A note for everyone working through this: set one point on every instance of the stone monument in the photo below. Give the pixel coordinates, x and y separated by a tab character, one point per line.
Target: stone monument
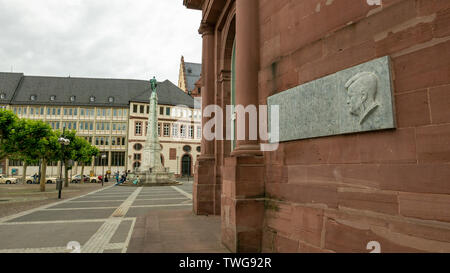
152	172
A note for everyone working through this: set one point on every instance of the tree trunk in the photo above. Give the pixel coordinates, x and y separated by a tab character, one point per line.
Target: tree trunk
82	173
43	174
66	175
24	175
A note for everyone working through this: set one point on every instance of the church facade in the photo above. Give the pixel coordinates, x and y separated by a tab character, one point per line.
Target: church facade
335	192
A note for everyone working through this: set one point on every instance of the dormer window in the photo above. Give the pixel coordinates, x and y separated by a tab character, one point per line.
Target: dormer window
189	70
33	97
111	99
2	96
52	98
92	99
72	98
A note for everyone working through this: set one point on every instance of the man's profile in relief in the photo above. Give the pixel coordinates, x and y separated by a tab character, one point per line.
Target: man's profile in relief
362	92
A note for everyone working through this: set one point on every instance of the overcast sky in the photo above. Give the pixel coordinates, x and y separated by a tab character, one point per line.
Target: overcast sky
127	39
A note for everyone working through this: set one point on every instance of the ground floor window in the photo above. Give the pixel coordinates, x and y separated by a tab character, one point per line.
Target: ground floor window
118	159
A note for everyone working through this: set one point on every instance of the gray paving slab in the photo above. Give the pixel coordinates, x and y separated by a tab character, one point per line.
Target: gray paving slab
135	212
45	235
103	198
159	202
141	197
122	232
59	215
87	205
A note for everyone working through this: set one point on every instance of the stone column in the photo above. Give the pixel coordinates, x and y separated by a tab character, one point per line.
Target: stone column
243	172
247	67
204	184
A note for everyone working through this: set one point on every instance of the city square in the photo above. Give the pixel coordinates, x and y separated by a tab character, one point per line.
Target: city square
225	127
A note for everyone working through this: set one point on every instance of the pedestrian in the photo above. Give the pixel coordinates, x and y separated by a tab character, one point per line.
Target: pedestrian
117	177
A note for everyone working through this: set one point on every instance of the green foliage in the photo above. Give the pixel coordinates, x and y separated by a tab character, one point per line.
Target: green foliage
8	122
32	140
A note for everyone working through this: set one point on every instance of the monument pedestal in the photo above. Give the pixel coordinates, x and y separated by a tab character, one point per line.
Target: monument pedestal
157	177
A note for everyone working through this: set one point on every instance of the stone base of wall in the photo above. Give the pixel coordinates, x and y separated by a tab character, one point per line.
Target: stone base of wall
204	187
243	203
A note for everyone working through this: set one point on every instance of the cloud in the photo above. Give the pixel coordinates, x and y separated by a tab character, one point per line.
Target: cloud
132	39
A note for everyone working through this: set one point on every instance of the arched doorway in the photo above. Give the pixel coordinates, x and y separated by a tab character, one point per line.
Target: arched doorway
186	165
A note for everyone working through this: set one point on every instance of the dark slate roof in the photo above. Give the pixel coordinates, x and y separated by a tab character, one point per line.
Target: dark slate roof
8	85
193	73
168	94
123	91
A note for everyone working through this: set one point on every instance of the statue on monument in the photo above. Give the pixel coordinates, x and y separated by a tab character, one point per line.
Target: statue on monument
152	170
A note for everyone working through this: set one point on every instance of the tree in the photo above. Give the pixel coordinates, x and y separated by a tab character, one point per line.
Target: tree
8	123
34	140
84	153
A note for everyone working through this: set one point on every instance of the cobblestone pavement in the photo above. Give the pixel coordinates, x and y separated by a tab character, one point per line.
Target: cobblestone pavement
99	222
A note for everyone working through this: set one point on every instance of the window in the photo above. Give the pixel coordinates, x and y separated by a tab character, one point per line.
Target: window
73	98
167	130
136	165
199	149
168	111
142	109
52	98
82	112
111	99
191	131
159	129
2	96
115	112
31	111
175	130
138	147
92	99
33	97
138	129
135	108
58	111
187	149
100	161
118	159
148	109
137	156
161	111
183	130
199	132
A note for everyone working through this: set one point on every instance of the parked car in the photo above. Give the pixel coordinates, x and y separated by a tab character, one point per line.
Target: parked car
49	180
8	180
77	179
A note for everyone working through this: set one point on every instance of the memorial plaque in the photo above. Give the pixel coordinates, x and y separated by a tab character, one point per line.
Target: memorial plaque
358	99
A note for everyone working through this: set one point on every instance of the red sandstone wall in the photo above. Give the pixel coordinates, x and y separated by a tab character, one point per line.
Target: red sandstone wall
338	193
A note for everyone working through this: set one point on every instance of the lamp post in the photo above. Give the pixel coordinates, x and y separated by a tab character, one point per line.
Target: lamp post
64	142
103	168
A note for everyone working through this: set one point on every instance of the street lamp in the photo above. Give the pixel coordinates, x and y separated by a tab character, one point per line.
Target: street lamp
64	142
103	170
